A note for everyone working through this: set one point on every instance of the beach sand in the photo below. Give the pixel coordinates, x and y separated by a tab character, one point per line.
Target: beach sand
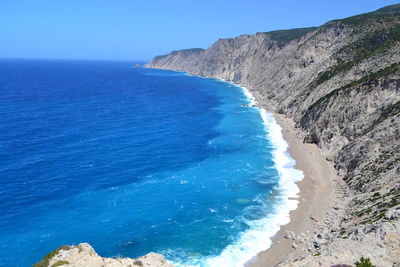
317	192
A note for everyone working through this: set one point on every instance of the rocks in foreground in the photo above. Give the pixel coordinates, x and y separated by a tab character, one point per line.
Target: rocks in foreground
379	242
84	255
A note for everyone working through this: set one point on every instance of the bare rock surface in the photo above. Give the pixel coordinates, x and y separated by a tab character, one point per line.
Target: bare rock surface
378	242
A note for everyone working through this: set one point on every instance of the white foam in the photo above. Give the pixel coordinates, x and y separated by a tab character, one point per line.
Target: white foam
249	95
258	237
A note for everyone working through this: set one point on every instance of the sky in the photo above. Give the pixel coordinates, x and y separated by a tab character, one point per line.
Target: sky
140	29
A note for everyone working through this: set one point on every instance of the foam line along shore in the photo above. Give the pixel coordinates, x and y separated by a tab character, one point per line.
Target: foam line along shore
307	183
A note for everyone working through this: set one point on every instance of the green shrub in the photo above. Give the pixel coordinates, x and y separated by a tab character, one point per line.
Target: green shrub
373	44
46	259
59	263
290	35
364	262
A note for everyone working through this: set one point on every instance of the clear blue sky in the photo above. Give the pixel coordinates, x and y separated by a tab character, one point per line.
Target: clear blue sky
140	29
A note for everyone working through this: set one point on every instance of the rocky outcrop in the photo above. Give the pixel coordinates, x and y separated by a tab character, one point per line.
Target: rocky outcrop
378	242
340	83
84	255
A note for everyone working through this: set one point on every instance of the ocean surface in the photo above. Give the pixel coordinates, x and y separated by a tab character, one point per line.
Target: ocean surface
136	160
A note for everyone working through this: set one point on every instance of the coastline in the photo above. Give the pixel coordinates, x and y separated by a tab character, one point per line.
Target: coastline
308	192
316	188
350	203
315	199
259	237
317	193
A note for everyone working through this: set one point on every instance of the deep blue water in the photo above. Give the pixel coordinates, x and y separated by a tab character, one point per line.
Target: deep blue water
129	160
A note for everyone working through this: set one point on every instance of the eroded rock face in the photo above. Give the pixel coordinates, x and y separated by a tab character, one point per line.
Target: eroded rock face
84	255
378	242
340	83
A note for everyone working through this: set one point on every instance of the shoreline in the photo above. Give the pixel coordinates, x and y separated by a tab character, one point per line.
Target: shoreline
287	199
317	193
317	188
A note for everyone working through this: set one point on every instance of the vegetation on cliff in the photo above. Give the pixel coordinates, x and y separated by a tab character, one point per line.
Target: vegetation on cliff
381	15
290	35
374	41
45	262
365	81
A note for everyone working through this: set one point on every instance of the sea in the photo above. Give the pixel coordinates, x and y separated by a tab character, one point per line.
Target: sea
135	160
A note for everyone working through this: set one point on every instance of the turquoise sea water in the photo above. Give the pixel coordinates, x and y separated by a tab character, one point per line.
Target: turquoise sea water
136	160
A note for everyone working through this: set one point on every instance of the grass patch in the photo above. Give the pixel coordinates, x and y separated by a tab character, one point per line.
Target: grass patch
386	113
46	259
368	79
59	263
187	51
290	35
159	57
373	44
364	262
366	18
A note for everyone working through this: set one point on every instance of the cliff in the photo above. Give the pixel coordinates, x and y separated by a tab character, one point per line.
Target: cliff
340	83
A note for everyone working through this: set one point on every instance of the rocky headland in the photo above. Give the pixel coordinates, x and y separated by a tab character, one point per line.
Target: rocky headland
340	86
83	255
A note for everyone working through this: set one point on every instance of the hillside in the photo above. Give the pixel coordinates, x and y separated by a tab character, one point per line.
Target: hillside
340	83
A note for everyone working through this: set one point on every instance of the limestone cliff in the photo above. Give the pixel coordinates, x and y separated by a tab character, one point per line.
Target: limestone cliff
340	83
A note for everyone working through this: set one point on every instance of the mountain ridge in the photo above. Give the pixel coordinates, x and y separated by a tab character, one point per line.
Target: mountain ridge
340	83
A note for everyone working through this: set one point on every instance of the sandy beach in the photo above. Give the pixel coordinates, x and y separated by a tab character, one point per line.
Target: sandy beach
317	192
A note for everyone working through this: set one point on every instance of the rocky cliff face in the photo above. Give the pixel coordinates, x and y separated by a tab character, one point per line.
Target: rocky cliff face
340	83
